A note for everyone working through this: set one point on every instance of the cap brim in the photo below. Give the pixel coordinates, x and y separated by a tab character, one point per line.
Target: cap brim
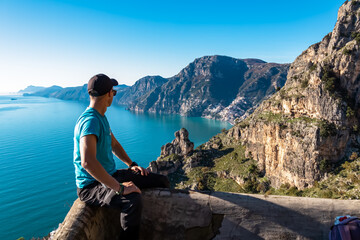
114	82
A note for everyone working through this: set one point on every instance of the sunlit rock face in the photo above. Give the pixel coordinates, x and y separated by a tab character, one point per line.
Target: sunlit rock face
218	87
312	122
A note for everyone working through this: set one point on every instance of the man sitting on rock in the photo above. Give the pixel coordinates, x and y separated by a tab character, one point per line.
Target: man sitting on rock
98	181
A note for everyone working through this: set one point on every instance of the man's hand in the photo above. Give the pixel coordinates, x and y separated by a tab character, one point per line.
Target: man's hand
144	172
130	187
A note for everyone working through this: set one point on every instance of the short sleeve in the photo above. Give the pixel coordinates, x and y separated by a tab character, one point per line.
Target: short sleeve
89	127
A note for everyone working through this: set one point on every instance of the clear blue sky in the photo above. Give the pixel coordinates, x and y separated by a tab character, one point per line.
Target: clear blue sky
64	43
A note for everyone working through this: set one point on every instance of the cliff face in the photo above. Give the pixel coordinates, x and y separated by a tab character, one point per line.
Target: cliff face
312	122
215	87
141	87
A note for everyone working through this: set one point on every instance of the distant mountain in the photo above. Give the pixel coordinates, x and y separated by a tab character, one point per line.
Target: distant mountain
72	93
69	93
31	89
46	92
139	89
215	87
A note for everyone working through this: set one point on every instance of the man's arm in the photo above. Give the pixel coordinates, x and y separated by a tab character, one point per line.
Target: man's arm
95	169
119	152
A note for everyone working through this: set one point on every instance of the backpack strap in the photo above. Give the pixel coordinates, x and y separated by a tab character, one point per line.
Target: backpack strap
344	232
344	228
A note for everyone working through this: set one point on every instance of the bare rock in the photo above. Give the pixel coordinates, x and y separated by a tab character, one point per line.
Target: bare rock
313	119
181	145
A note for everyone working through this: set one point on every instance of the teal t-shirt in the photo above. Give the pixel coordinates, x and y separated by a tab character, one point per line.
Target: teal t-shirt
92	122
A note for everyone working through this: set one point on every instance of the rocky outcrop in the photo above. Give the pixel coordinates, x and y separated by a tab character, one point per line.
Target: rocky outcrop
181	145
312	122
173	154
178	214
215	87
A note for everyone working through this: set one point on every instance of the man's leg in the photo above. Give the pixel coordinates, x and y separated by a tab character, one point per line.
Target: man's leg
152	180
130	205
130	218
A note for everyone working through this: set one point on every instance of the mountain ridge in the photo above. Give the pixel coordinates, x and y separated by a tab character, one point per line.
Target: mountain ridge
210	87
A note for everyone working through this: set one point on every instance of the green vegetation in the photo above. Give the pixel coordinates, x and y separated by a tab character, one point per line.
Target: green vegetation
282	94
305	83
349	112
356	36
325	165
172	157
329	79
244	124
285	189
312	67
343	182
271	117
221	176
226	185
296	133
355	128
326	128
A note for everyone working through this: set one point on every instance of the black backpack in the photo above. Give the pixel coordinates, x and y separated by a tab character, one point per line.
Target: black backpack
348	229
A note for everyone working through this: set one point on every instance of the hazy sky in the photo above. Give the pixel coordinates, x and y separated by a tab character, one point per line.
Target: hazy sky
64	43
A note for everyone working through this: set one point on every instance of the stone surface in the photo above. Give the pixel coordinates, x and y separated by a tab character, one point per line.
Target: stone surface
175	214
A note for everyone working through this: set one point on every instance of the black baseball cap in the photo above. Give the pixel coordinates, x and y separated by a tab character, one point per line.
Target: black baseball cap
100	84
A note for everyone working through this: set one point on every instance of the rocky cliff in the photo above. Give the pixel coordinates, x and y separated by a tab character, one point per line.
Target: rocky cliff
141	88
312	122
215	87
305	133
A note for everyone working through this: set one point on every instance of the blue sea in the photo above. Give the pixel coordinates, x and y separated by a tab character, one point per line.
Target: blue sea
36	147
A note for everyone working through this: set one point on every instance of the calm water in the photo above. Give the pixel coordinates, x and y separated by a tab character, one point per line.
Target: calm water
36	144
